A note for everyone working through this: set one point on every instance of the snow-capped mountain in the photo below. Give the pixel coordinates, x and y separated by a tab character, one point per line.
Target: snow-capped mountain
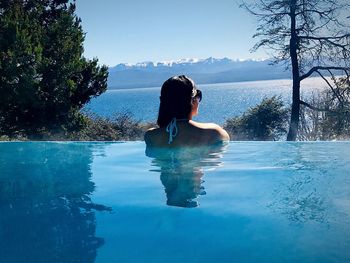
203	71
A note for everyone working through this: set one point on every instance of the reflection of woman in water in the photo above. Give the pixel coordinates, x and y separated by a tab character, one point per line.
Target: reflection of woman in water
182	185
182	170
179	102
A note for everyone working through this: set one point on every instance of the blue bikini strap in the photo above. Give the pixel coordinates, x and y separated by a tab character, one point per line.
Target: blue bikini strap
172	130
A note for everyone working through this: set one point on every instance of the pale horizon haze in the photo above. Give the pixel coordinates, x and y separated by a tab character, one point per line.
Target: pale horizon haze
162	30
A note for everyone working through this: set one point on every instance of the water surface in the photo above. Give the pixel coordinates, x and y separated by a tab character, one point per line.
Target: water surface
109	202
228	99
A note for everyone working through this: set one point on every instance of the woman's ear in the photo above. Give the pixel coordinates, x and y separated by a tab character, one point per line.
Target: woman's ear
195	104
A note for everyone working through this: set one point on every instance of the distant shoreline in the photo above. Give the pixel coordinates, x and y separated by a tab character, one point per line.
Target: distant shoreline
199	84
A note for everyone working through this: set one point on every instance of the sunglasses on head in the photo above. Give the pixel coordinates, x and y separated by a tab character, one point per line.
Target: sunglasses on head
198	95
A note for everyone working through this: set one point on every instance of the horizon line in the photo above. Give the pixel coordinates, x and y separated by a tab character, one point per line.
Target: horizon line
184	60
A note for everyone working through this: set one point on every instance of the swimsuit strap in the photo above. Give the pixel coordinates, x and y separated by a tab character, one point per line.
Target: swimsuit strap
172	129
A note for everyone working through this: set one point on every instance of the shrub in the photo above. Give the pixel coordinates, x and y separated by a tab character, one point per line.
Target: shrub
265	121
96	128
332	119
120	127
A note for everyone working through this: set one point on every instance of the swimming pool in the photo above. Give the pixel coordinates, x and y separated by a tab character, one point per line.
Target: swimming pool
109	202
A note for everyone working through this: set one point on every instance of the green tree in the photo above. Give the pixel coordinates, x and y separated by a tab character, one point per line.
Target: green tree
263	122
309	36
44	78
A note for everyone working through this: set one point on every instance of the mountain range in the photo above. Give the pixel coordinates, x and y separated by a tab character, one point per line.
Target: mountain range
202	71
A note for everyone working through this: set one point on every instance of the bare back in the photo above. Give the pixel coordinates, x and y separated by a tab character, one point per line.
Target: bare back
190	133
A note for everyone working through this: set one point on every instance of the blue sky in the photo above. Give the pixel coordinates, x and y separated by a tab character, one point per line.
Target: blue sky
130	31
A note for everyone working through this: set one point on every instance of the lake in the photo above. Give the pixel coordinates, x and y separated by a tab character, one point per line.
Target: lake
220	101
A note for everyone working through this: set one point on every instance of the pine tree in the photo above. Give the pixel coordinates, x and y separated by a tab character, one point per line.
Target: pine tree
44	78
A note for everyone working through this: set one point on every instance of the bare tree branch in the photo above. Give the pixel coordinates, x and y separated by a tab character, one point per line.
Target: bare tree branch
313	107
314	69
309	37
331	87
326	38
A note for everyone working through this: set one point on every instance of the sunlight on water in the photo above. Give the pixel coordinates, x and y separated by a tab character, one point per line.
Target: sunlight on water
228	99
116	202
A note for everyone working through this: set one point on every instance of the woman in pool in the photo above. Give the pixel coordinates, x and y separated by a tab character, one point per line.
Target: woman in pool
179	102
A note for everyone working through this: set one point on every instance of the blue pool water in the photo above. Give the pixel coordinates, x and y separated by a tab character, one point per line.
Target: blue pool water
112	202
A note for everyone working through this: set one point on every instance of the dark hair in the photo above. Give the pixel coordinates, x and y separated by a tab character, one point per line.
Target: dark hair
175	99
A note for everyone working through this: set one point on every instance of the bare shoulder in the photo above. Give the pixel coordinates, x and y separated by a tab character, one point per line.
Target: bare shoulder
149	133
219	133
213	130
152	136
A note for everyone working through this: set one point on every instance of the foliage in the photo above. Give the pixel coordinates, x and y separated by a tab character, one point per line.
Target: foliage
121	126
44	79
329	118
265	121
308	36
